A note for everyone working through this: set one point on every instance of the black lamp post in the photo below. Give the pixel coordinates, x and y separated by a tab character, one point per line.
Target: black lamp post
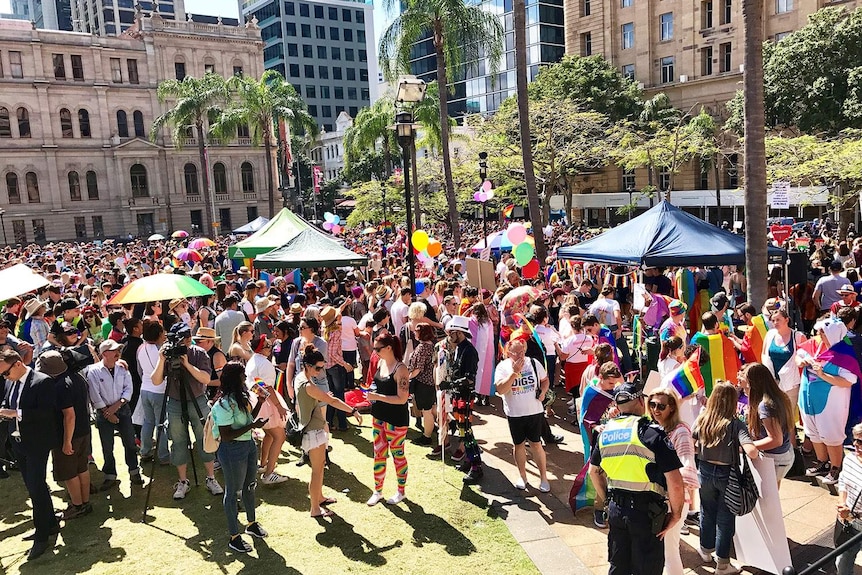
483	175
3	222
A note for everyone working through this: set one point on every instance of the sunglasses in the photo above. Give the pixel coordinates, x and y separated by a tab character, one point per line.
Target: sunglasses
657	406
4	373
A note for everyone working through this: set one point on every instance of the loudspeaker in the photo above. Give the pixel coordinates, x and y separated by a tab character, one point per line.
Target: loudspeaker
798	269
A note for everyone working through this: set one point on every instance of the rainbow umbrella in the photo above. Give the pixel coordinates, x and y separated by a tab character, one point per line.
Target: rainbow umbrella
180	234
188	255
201	243
160	287
519	299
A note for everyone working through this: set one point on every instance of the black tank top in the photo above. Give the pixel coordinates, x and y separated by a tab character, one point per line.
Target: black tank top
397	415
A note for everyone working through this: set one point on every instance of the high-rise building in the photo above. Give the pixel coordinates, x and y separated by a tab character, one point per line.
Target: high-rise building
47	14
476	90
325	48
112	17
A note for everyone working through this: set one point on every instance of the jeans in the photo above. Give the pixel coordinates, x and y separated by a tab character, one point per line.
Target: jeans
844	563
238	461
152	405
179	430
127	436
717	523
337	382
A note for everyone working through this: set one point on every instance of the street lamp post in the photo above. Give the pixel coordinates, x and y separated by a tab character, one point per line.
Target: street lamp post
410	91
483	175
3	222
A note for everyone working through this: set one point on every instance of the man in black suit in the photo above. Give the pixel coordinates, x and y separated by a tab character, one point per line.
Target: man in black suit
30	405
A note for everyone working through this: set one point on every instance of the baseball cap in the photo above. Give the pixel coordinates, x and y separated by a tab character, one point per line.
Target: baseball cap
109	345
51	363
719	300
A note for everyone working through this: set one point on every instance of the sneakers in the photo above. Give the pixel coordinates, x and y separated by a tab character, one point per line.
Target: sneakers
544	487
273	479
521	484
426	441
600	519
705	554
819	468
181	488
375	498
213	486
238	544
71	512
458	455
726	569
683	530
832	477
216	465
136	479
396	499
256	530
473	476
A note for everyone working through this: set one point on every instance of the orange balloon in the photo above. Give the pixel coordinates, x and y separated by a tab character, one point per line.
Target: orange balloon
435	248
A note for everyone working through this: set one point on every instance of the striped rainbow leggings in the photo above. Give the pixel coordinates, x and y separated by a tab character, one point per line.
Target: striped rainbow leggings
389	437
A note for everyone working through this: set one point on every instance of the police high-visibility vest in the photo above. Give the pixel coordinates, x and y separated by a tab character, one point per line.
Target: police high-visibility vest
624	457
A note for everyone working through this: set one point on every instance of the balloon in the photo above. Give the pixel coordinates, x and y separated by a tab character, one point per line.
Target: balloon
336	219
420	287
516	233
435	248
420	240
476	196
489	194
548	230
327	225
531	270
487	186
336	229
523	253
329	217
429	265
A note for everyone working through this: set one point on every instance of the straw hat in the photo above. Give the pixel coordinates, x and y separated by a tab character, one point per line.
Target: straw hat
328	315
33	305
205	333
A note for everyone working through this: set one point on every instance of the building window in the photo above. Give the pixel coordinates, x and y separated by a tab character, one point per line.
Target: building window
349	54
732	173
15	65
12	188
132	67
224	218
336	53
628	71
290	28
363	74
210	68
320	32
366	94
290	8
303	10
326	111
706	61
360	17
5	123
351	93
332	13
318	12
334	33
92	186
59	66
190	175
293	50
360	36
197	219
703	175
363	55
138	178
323	71
138	120
664	179
585	7
246	177
305	30
309	71
666	26
98	227
293	69
667	75
242	131
336	73
348	35
19	231
628	35
629	182
116	71
32	182
23	123
219	178
66	123
706	14
74	187
724	52
321	52
237	71
586	44
77	68
84	123
626	3
346	16
180	70
351	74
782	6
308	51
781	35
310	91
339	93
122	124
251	211
38	230
726	11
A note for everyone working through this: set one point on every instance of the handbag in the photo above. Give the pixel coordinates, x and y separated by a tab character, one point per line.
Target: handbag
294	429
843	531
741	493
211	442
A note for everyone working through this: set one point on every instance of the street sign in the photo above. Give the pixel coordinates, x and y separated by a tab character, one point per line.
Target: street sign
780	196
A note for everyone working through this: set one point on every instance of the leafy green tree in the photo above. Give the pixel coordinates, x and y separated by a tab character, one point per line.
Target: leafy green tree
376	201
367	166
192	102
461	33
372	127
259	104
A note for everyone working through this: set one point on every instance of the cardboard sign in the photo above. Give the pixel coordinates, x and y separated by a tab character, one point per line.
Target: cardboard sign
480	274
781	233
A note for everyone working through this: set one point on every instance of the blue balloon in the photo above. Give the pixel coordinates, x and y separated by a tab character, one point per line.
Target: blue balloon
420	287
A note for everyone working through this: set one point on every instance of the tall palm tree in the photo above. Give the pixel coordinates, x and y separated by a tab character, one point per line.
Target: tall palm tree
520	24
194	101
755	153
259	104
372	125
461	33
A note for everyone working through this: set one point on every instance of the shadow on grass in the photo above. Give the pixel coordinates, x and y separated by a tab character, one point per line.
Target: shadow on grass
81	550
429	528
340	534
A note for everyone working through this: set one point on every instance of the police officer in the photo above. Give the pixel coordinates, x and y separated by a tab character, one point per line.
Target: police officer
636	468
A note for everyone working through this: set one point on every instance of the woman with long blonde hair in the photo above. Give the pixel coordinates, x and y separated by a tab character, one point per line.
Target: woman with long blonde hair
240	347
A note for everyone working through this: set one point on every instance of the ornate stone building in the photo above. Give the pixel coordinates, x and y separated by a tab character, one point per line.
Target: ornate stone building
75	117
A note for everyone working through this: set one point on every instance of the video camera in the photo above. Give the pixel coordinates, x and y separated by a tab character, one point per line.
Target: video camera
175	346
462	386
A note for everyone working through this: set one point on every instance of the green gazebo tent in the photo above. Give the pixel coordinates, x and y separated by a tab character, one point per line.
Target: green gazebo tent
310	249
278	231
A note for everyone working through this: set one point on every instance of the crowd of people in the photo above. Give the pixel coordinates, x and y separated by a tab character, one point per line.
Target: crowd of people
263	358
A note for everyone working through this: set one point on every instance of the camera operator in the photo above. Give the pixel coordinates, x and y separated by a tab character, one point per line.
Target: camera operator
186	365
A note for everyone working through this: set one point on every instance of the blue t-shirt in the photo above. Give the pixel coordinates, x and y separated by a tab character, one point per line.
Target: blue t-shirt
765	411
780	354
226	412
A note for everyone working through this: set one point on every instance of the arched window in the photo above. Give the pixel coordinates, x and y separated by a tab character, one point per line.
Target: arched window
190	174
23	123
5	125
219	178
84	123
92	186
74	186
138	176
32	181
138	119
12	188
247	175
66	123
122	124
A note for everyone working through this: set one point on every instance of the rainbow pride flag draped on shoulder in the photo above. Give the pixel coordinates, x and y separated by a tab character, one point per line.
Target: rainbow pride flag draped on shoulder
723	361
593	406
842	355
752	342
607	336
687	379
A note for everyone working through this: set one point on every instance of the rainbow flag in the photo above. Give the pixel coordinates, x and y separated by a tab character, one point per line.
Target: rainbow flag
685	289
698	307
637	335
723	361
688	378
280	382
507	211
752	342
593	407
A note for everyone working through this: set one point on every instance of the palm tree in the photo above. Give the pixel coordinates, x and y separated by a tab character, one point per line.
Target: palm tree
461	33
258	104
372	125
520	24
194	101
755	153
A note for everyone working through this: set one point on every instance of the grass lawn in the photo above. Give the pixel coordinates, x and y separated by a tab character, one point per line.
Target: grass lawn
442	527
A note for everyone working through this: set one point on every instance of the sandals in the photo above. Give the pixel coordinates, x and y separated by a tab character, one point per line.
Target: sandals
329	501
324	513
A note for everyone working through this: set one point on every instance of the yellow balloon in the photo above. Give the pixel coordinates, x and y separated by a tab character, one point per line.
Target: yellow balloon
420	240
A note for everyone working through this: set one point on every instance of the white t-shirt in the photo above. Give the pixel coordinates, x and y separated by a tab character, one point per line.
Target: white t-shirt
398	313
348	335
548	335
576	346
148	357
604	310
521	399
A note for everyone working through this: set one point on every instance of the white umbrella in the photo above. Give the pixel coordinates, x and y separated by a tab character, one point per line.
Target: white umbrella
155	238
19	279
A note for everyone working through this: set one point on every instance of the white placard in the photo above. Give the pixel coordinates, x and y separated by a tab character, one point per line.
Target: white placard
737	225
638	299
780	196
653	380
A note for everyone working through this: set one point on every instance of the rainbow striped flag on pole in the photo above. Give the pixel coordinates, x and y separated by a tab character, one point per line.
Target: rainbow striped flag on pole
687	379
507	211
723	361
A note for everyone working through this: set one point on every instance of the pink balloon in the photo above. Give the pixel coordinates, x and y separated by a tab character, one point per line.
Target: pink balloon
476	196
336	229
487	185
516	233
327	226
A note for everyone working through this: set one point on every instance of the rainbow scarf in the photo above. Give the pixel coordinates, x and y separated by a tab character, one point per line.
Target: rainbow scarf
688	378
593	406
752	343
723	361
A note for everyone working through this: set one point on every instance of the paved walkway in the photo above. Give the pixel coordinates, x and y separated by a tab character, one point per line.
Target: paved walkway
559	542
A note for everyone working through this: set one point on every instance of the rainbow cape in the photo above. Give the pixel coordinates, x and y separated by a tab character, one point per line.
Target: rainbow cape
723	361
607	336
752	342
687	379
593	406
698	307
841	355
